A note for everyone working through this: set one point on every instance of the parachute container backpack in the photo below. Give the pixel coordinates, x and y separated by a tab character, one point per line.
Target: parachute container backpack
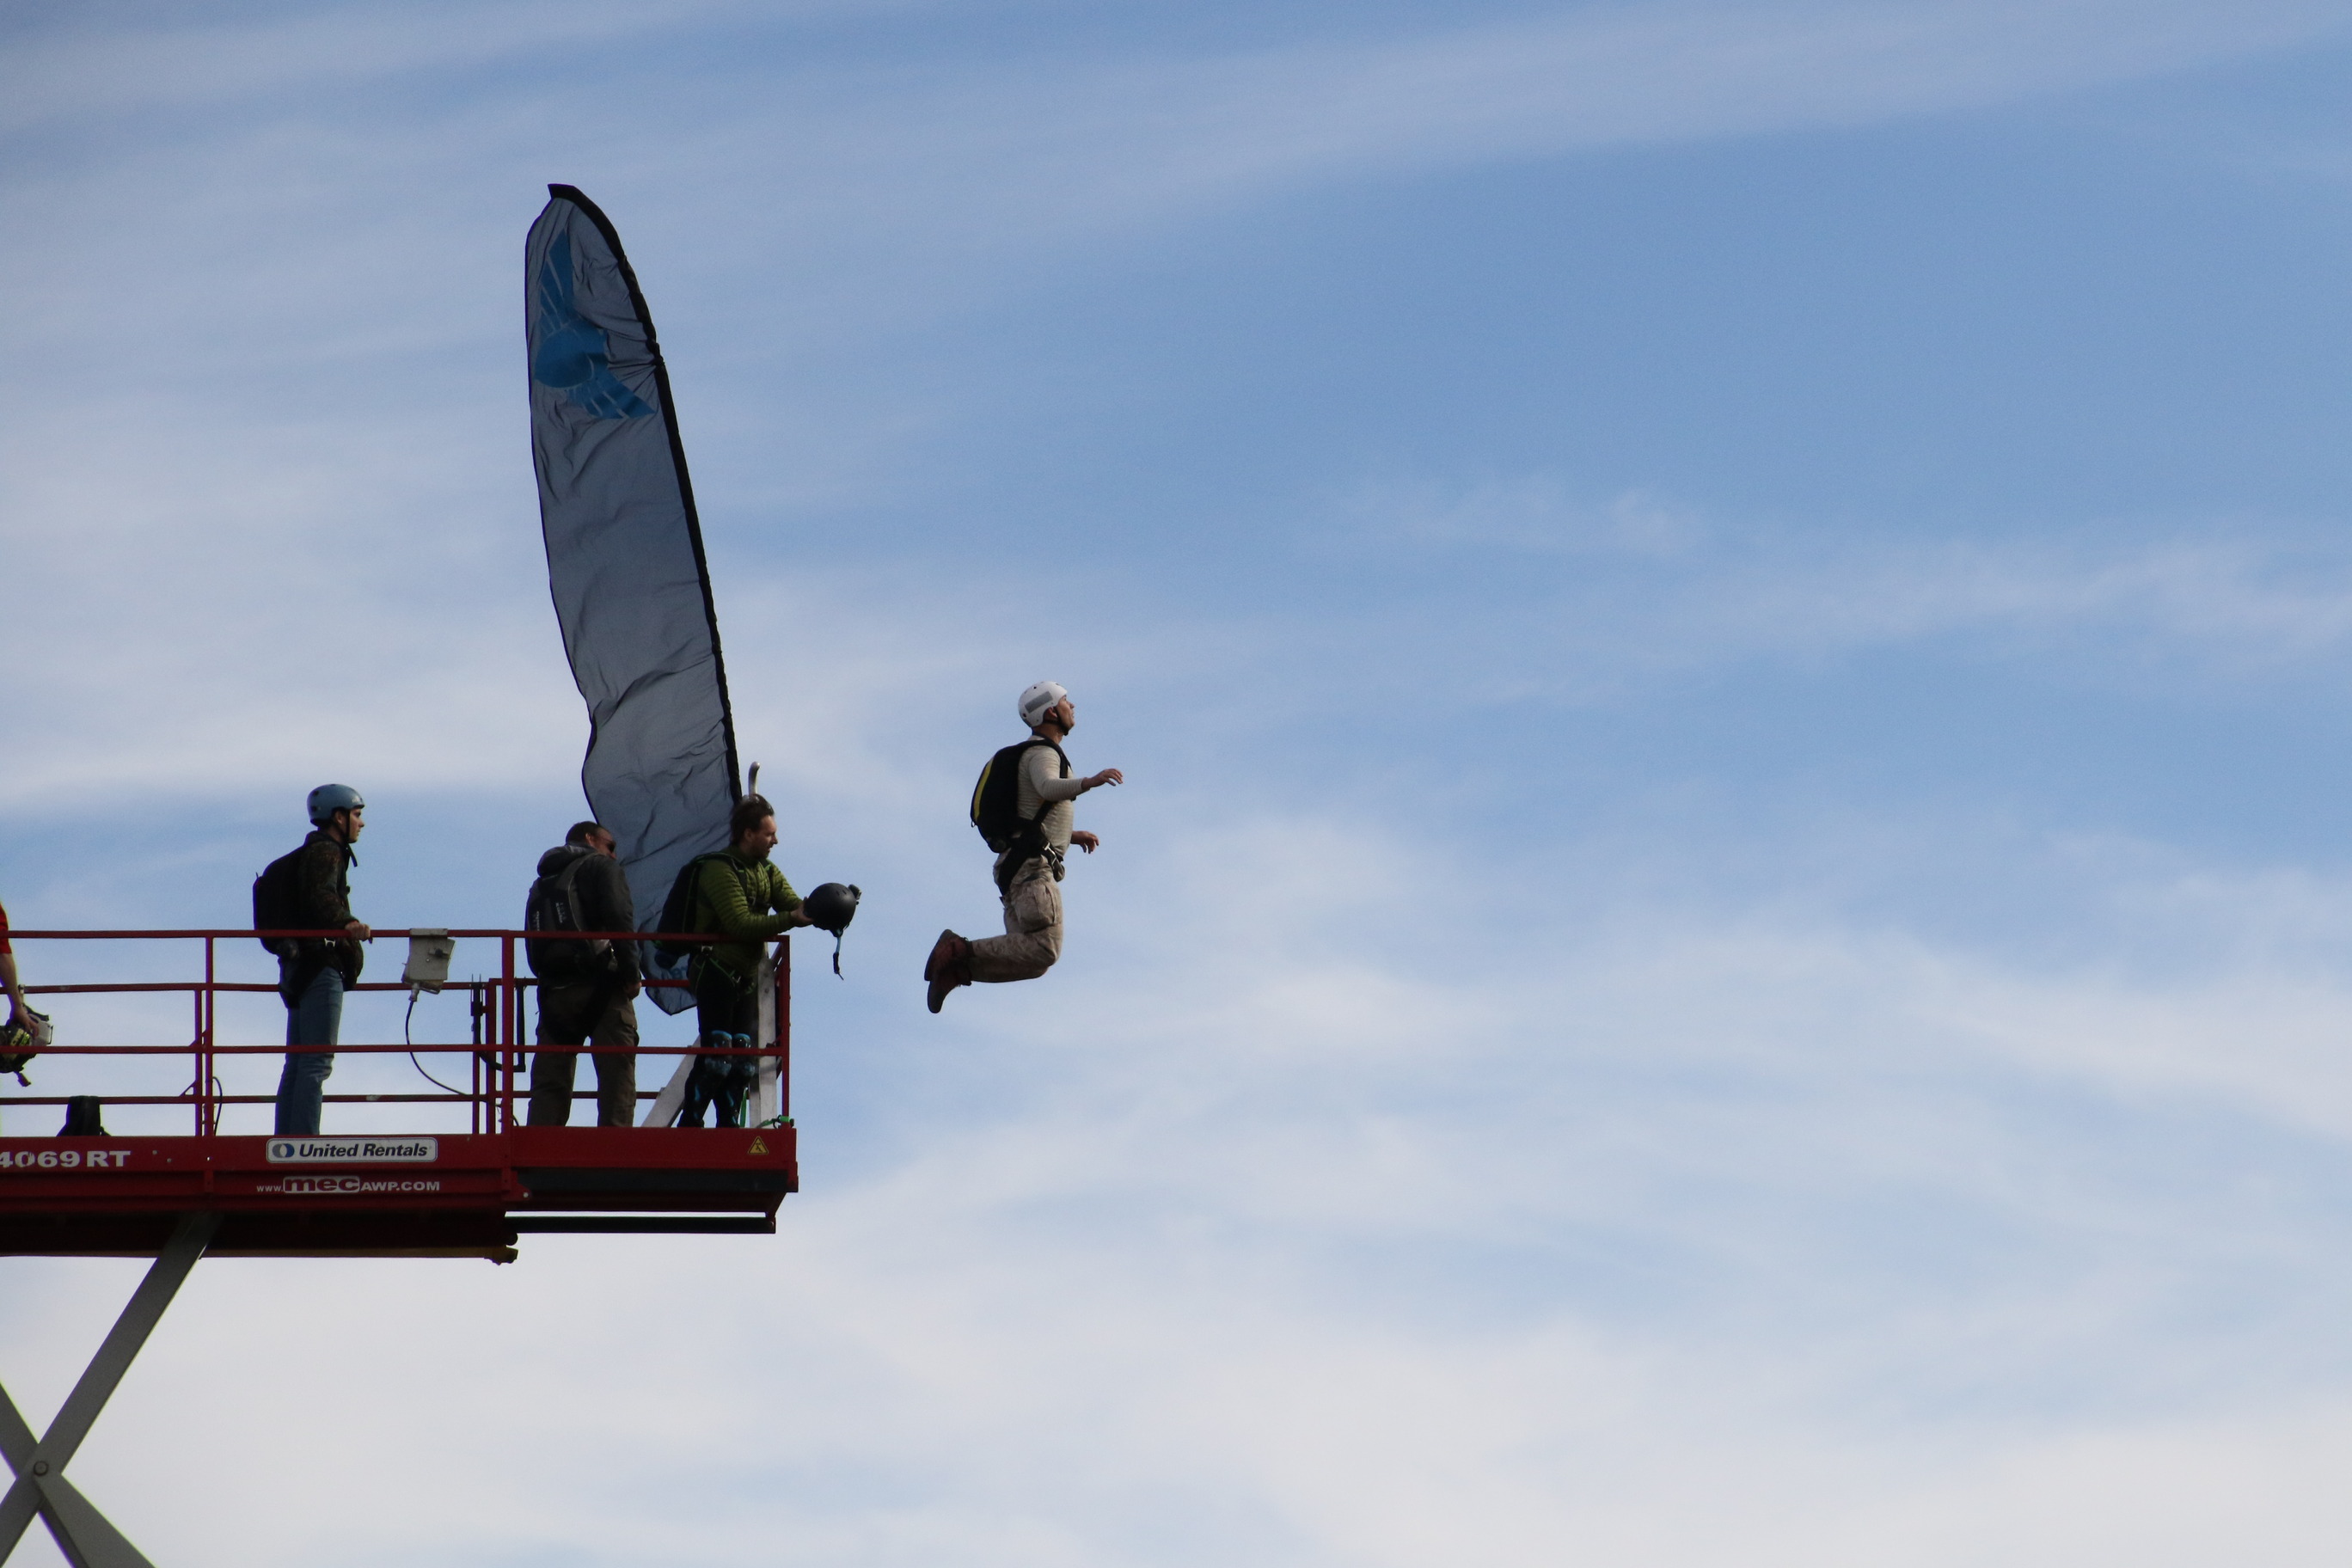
276	903
677	910
553	904
996	804
997	798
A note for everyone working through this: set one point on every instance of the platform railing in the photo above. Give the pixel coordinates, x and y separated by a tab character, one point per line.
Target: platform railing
498	1006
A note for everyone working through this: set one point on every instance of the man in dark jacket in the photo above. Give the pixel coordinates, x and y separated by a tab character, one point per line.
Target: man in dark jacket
586	989
314	972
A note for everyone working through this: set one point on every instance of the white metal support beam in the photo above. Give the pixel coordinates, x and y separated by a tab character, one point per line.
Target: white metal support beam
82	1533
762	1109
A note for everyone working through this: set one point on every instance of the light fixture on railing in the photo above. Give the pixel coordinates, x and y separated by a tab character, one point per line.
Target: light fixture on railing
429	952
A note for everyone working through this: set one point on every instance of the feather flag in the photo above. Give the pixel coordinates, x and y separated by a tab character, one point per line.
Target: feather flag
624	558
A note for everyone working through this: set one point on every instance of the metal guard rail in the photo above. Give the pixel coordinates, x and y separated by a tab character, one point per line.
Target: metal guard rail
496	1052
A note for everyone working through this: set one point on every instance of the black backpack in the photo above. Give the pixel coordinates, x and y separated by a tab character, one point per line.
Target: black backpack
677	910
996	800
554	905
276	903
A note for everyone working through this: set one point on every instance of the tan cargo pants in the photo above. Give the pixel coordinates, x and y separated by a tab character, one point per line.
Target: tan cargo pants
1032	929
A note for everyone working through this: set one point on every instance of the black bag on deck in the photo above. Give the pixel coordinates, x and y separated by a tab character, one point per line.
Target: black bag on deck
81	1118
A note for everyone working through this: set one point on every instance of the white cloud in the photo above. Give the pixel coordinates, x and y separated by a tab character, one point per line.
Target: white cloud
1600	78
182	60
883	193
222	608
1604	600
1028	155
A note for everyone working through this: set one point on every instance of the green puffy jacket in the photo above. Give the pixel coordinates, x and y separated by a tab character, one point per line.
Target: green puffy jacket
733	897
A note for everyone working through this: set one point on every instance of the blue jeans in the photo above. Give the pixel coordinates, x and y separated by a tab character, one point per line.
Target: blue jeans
314	1019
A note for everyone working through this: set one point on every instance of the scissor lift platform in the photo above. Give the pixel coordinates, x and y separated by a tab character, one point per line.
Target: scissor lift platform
458	1193
388	1194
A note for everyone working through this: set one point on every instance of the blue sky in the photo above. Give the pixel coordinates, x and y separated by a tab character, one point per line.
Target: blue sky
1727	941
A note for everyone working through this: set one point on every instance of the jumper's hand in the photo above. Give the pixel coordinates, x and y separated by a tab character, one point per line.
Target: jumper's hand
1085	841
1107	776
358	932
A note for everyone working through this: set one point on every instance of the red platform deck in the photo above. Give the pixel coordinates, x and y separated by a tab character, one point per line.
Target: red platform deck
389	1195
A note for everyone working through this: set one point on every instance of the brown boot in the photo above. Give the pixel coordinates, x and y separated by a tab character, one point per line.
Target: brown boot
948	966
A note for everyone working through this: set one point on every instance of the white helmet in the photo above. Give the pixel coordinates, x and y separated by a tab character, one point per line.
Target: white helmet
1040	699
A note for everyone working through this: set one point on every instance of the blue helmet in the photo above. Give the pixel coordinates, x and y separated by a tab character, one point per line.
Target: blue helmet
329	799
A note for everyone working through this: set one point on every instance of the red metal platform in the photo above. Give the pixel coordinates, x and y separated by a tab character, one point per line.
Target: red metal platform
388	1194
468	1191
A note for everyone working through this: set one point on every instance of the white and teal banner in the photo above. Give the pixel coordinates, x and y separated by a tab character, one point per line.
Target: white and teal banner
625	557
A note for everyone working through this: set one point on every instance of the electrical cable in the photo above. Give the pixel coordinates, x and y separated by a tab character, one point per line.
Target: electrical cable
413	992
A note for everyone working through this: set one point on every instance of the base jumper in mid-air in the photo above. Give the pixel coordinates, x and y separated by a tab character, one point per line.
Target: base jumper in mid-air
1023	809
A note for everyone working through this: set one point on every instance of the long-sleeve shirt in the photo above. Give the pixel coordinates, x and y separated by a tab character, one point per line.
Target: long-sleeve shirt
1042	781
732	898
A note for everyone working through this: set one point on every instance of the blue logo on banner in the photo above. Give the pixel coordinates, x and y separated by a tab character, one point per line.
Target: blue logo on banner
574	356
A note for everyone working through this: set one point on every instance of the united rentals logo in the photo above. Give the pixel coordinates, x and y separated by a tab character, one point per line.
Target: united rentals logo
353	1151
